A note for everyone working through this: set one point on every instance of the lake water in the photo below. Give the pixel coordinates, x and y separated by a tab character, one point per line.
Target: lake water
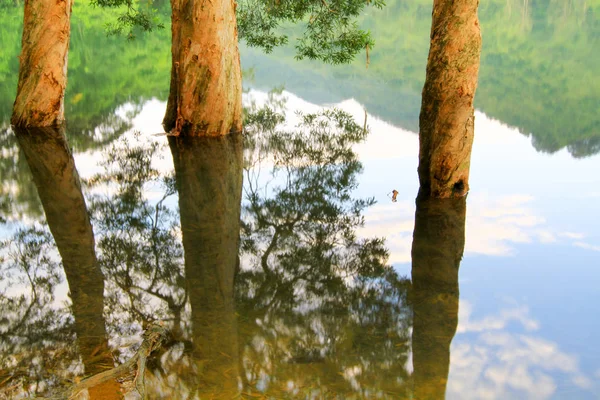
327	288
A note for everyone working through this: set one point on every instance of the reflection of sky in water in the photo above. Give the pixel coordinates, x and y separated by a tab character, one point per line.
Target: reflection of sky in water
527	309
529	277
528	297
503	355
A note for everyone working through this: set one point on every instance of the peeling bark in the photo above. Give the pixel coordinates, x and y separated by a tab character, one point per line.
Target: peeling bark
205	98
437	249
447	115
43	64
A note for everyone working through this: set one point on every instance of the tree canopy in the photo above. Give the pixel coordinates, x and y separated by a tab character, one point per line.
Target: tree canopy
330	29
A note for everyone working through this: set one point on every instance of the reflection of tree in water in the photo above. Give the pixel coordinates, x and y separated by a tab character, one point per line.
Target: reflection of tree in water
316	305
18	194
141	254
96	133
16	185
321	313
35	275
36	339
138	245
139	251
208	173
315	310
438	244
585	148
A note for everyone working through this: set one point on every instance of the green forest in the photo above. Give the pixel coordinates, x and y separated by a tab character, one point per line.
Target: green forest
537	69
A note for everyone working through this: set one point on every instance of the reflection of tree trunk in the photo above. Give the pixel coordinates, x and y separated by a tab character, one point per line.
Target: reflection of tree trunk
438	244
206	81
446	121
209	181
43	64
57	181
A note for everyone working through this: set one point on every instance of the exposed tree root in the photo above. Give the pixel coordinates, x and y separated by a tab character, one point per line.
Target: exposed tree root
154	337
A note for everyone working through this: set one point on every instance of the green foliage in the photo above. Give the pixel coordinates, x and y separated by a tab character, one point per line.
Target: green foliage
10	36
321	44
6	4
104	74
331	32
537	69
132	17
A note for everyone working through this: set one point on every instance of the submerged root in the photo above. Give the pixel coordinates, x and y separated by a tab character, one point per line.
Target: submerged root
154	337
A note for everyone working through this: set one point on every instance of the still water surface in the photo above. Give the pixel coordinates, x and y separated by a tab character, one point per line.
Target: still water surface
308	309
279	262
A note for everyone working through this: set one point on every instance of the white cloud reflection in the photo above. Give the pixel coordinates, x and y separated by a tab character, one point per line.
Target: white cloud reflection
494	223
494	226
587	246
497	364
508	192
493	322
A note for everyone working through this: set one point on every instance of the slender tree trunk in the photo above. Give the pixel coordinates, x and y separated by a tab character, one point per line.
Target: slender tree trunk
43	64
54	173
206	82
208	174
447	120
438	244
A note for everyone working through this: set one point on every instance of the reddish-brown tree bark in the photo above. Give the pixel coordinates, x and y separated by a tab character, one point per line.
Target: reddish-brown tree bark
206	82
43	64
447	120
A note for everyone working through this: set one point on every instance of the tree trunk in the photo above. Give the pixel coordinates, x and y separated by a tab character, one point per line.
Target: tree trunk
446	121
54	173
43	64
208	173
206	82
438	244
